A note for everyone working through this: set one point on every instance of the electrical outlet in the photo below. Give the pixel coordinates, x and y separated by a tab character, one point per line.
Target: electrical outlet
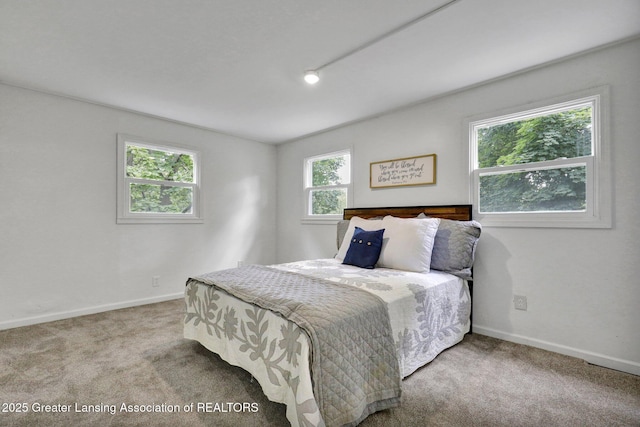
155	281
520	302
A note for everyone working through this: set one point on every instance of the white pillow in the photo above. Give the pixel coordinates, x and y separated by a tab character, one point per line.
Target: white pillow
356	221
408	243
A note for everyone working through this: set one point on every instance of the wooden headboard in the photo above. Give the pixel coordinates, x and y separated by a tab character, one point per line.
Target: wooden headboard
457	212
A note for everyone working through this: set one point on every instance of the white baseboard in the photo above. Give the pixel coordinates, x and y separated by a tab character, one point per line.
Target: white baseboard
593	358
9	324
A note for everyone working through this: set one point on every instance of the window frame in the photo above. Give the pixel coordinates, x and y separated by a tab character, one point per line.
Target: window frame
124	215
310	218
598	175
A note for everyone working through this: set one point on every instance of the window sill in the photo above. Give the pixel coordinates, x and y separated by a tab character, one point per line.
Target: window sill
321	221
159	221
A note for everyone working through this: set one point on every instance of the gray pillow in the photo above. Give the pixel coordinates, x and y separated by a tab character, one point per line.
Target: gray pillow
343	225
455	246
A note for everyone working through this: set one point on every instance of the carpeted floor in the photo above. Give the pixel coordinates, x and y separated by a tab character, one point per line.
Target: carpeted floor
93	365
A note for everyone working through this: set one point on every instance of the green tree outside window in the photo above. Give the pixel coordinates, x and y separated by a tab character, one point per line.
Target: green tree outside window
329	178
167	169
560	135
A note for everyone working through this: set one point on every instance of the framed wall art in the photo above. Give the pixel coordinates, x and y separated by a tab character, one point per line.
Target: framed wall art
419	170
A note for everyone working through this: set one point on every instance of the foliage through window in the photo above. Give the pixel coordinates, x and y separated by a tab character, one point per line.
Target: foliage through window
538	162
158	183
327	184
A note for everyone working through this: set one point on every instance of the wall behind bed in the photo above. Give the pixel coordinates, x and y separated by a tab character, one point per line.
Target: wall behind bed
61	252
582	284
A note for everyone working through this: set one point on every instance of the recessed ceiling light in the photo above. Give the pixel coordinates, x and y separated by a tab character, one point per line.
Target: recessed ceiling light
311	77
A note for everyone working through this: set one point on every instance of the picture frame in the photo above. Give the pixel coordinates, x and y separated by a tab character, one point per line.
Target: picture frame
403	172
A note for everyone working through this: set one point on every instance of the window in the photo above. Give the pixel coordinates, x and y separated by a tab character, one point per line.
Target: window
157	183
543	167
327	183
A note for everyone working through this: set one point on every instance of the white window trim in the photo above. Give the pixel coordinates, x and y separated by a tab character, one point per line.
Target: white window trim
123	214
599	188
307	179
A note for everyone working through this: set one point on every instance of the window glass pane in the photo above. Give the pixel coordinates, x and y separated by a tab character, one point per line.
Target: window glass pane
328	202
561	134
562	189
160	199
331	171
160	165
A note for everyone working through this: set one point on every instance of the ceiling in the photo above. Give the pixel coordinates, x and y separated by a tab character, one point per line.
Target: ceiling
235	66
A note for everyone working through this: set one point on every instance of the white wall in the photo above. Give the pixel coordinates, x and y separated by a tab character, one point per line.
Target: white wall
582	284
61	252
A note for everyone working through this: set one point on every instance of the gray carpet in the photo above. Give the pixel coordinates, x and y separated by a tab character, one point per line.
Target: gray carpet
137	356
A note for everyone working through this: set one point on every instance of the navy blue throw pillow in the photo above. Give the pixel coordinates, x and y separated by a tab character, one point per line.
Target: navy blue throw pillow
365	248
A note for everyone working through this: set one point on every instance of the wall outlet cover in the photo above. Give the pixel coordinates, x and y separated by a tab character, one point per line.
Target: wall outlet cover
520	302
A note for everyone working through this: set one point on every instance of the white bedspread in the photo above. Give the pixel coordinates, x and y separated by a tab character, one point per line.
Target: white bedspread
428	313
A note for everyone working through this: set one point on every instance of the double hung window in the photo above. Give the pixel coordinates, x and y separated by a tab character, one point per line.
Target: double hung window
158	183
327	185
545	166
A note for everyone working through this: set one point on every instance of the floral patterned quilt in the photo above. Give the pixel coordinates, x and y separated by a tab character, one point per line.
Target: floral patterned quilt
428	313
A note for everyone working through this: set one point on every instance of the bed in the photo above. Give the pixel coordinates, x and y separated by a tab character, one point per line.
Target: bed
333	338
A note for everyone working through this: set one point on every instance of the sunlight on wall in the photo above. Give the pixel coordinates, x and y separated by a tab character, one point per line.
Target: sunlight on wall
236	239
